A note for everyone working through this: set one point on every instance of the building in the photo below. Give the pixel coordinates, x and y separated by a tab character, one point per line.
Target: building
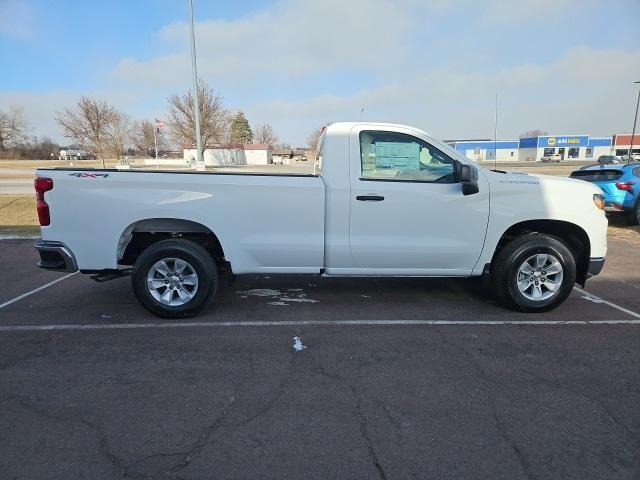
74	153
622	143
231	154
485	150
569	147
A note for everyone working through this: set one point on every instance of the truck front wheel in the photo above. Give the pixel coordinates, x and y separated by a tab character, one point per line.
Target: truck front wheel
174	278
534	273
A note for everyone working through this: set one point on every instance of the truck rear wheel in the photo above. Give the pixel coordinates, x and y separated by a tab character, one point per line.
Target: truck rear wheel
534	273
174	278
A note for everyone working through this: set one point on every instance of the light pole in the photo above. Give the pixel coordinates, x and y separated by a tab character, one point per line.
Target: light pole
635	119
361	112
196	99
495	138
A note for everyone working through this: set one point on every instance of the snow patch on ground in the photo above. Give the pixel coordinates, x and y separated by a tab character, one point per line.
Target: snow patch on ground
278	297
298	300
262	292
297	344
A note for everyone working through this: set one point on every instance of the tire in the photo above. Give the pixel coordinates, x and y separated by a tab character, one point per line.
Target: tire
185	293
526	259
633	217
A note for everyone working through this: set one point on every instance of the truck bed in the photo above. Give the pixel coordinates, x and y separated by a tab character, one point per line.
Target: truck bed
267	223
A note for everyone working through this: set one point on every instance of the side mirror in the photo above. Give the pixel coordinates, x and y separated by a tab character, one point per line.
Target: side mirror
468	177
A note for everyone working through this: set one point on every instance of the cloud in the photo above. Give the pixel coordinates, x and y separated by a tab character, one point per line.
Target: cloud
295	39
16	19
576	93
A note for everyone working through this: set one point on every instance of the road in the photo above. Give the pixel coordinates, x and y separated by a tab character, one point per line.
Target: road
16	187
95	387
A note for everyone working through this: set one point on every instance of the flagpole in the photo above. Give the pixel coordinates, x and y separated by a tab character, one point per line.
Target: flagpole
196	99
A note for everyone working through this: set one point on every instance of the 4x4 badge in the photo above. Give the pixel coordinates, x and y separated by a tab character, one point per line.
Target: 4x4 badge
88	175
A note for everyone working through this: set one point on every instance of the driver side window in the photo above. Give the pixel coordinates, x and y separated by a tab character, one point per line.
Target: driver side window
392	156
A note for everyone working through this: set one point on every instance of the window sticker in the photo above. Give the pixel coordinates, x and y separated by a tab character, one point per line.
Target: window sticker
397	155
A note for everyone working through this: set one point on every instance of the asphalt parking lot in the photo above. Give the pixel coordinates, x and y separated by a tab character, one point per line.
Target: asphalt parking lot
391	378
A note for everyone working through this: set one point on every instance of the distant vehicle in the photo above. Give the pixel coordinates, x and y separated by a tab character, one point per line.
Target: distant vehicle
75	154
635	157
384	200
620	185
555	158
608	160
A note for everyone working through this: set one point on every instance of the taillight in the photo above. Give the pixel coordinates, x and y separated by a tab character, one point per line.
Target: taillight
626	186
42	185
598	199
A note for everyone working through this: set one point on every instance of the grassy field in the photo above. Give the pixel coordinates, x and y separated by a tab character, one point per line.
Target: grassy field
18	215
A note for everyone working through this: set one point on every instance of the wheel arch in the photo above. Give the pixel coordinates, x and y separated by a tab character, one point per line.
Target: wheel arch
572	235
140	234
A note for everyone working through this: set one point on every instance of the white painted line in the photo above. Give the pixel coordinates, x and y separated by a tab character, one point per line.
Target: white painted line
593	298
298	323
35	290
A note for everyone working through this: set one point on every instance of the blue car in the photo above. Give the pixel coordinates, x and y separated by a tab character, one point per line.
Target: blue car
620	185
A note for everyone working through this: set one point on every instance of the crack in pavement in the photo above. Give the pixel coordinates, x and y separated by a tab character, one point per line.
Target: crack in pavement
635	436
127	470
364	429
100	435
471	360
218	423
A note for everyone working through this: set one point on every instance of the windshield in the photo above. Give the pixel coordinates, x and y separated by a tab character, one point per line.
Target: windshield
597	175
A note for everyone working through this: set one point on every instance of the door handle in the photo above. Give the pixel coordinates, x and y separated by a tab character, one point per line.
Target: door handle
370	198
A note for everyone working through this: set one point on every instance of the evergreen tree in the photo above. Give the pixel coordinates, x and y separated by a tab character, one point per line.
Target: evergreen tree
240	129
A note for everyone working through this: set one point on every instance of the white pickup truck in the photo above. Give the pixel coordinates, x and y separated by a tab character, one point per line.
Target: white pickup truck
384	200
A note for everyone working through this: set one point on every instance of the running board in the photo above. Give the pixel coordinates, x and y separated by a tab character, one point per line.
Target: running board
111	274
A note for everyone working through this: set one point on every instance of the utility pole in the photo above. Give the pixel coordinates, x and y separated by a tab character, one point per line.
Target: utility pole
495	138
635	119
196	99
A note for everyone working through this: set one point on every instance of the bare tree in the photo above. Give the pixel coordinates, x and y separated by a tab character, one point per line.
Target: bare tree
120	134
312	140
90	123
533	133
264	134
13	128
214	118
144	140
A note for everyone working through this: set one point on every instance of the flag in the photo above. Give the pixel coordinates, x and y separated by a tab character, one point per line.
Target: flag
160	124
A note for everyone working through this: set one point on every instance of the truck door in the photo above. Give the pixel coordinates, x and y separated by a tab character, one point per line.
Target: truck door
408	212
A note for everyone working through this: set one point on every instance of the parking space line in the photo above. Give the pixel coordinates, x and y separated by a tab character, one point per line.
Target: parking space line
595	298
299	323
36	290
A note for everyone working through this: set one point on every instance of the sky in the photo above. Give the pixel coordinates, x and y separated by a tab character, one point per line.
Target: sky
564	66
